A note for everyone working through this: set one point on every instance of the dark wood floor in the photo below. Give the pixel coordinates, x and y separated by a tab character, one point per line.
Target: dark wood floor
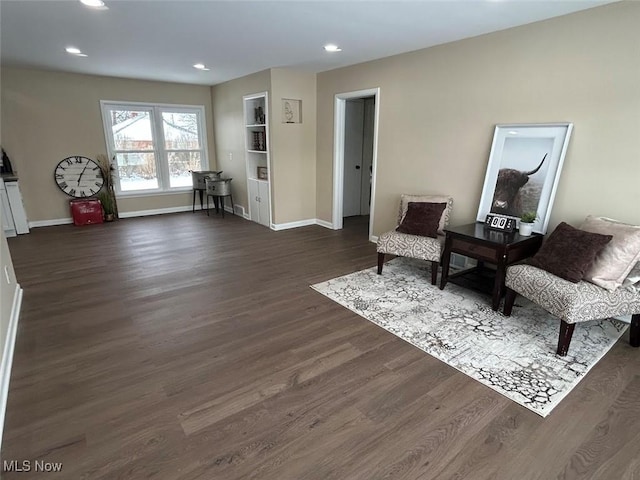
186	347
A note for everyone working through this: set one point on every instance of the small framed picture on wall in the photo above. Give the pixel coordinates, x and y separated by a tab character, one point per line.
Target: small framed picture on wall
291	110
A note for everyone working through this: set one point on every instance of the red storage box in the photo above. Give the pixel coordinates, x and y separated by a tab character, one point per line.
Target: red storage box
86	211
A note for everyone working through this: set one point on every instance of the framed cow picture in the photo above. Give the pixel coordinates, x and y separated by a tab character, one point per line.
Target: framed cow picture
524	170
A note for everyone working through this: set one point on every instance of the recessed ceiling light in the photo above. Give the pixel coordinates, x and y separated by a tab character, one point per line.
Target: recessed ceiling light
99	4
332	48
75	51
201	66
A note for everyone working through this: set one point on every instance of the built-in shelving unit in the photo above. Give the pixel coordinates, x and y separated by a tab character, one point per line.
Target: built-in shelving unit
256	120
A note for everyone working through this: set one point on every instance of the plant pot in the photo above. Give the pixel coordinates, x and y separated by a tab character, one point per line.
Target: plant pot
109	217
526	229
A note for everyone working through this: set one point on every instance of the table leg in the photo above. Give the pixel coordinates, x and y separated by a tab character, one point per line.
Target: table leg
498	286
201	192
446	259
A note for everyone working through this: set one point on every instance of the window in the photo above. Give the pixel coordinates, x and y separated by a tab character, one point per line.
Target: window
155	146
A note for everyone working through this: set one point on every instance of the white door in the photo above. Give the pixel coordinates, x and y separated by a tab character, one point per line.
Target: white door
352	186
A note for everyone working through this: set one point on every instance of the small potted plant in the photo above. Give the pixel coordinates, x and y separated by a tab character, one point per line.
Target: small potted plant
527	219
107	205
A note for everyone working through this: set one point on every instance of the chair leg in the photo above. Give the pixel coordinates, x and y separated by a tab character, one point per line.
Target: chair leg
380	262
564	339
207	205
221	200
509	299
634	331
434	272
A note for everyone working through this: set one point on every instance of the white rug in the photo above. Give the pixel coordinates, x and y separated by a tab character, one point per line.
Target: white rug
513	355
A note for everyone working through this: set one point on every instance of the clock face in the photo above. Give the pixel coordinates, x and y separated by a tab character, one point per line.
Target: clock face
79	177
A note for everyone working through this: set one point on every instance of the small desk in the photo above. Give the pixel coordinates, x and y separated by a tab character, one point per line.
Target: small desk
477	241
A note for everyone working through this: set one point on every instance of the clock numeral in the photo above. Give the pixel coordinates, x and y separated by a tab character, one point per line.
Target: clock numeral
68	162
59	176
95	168
82	193
72	191
78	159
98	184
63	185
92	192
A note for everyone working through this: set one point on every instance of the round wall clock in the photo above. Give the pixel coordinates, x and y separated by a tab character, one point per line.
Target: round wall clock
79	176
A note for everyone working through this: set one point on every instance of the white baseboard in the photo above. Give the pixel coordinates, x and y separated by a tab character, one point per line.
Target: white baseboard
299	223
373	238
50	223
156	211
324	224
7	355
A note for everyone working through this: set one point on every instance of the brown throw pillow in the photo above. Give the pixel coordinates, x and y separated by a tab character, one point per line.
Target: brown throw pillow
569	252
422	219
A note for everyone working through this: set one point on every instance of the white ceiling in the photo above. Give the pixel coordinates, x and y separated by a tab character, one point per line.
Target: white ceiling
162	39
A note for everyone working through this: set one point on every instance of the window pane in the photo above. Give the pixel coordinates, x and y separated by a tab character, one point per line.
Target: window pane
131	130
137	171
180	131
179	165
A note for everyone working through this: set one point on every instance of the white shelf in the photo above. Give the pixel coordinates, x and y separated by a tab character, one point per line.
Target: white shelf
256	125
257	151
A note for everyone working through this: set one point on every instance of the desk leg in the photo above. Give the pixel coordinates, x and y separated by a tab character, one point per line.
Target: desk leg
498	286
446	259
201	192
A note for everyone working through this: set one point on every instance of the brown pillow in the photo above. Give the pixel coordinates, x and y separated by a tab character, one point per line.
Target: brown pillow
422	218
569	252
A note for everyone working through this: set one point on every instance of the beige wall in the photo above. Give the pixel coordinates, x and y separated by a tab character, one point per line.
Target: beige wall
439	107
47	116
228	126
293	148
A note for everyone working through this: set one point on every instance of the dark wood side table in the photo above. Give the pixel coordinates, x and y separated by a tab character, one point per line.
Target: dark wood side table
500	248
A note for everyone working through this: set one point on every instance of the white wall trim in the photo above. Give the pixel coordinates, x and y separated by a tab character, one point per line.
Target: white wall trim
155	211
338	152
296	224
324	223
7	355
373	238
50	223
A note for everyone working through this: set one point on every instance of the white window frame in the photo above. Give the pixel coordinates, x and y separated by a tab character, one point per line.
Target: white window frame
159	150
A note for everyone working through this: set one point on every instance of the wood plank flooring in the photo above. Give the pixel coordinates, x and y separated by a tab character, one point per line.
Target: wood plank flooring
191	347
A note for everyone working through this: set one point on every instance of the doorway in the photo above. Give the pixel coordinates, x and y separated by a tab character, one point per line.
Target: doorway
355	152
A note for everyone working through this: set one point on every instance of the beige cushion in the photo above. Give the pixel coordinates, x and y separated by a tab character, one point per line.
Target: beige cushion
618	257
633	279
444	219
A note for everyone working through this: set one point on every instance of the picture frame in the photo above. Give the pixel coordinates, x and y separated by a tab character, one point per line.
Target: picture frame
263	173
524	170
291	110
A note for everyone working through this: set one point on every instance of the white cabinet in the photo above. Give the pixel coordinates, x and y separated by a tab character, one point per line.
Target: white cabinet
256	120
14	218
17	207
259	202
8	226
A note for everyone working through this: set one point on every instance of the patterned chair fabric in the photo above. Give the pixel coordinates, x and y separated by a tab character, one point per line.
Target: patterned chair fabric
415	246
571	302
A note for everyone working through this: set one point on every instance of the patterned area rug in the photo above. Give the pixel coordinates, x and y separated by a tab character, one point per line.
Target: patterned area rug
513	355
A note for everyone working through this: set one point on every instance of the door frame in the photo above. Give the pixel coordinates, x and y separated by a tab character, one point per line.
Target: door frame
338	153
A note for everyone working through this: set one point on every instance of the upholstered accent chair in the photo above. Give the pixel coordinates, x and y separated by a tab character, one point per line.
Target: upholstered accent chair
422	246
582	274
571	302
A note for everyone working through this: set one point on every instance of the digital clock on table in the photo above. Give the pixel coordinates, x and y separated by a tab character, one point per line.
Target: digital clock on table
500	222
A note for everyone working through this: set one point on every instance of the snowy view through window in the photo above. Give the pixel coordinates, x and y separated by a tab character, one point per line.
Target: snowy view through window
155	148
